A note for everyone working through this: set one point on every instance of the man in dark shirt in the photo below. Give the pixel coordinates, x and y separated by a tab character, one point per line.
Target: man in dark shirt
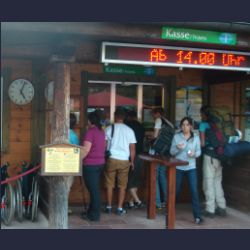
134	180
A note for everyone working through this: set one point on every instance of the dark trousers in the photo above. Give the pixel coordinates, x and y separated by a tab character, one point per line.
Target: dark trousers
192	181
91	176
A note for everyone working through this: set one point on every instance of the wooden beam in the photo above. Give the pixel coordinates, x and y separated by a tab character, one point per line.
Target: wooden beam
59	187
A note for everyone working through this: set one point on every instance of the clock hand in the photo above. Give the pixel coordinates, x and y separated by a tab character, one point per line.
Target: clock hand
21	90
23	96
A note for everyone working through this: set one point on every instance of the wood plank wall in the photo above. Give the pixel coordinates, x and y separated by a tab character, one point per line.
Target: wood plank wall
20	119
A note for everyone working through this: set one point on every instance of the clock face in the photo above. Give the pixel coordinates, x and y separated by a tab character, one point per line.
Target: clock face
21	91
49	92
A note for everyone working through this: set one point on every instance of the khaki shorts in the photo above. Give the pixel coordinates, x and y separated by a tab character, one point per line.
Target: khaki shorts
116	168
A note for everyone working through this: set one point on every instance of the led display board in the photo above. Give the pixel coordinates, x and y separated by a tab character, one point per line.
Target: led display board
156	55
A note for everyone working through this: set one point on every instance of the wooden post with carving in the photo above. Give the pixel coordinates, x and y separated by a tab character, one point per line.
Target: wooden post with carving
60	186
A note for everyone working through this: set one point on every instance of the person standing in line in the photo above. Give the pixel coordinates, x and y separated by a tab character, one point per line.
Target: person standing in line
134	180
73	139
186	147
161	176
212	172
122	149
93	164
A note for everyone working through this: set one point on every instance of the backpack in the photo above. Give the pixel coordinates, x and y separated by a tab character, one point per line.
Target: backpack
162	143
222	118
216	141
217	136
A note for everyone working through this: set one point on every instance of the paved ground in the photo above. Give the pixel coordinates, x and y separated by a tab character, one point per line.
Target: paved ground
136	219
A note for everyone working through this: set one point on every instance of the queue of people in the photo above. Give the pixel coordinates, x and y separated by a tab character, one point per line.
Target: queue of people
123	168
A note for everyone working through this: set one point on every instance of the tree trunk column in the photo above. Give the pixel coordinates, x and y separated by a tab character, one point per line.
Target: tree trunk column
59	187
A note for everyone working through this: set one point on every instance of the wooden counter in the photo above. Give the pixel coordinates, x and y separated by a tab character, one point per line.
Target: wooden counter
170	163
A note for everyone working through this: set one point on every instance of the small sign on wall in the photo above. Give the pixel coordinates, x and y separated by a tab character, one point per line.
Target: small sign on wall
61	160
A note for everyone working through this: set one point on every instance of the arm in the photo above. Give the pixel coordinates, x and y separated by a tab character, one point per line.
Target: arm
202	138
86	148
198	147
156	132
132	154
157	127
176	146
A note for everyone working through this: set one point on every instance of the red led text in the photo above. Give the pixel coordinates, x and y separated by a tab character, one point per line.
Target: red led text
158	55
232	60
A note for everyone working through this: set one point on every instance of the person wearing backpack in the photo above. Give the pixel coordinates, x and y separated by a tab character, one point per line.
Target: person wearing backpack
161	177
186	147
212	168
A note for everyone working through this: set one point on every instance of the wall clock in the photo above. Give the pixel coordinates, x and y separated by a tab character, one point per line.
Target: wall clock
21	92
49	92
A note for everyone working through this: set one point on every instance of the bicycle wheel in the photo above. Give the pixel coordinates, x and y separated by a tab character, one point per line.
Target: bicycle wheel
19	200
35	198
8	205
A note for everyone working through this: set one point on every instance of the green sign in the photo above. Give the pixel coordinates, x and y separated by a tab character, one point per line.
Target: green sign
129	70
200	36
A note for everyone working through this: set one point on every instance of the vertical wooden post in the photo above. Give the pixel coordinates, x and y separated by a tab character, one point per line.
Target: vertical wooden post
171	193
60	186
152	191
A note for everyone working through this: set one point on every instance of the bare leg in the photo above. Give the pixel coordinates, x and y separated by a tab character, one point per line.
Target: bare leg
121	197
133	194
109	196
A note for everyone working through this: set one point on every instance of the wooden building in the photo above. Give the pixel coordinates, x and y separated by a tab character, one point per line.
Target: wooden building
72	69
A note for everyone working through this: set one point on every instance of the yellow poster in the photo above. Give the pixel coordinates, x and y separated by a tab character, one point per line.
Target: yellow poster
62	160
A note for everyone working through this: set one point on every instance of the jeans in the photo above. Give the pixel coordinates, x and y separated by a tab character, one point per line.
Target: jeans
91	176
161	184
192	181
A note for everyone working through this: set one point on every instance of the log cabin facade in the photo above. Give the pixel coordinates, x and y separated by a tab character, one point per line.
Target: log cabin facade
71	53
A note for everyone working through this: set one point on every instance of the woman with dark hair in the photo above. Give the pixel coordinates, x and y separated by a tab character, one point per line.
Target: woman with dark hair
186	146
93	163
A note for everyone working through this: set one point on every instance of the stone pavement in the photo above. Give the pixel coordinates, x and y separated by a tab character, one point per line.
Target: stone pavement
136	219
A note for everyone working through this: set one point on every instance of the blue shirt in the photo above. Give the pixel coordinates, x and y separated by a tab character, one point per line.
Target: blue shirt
73	138
192	144
203	126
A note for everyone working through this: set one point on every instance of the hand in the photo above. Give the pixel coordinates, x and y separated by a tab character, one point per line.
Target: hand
190	153
180	145
132	166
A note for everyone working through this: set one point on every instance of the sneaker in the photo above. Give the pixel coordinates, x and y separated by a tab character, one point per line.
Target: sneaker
198	221
89	218
221	212
163	204
121	211
139	204
158	207
108	210
208	214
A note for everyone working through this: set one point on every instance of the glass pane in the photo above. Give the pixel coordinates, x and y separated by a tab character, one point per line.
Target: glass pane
99	99
126	97
152	97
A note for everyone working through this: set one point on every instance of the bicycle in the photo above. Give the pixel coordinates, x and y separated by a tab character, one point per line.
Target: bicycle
30	193
8	201
20	202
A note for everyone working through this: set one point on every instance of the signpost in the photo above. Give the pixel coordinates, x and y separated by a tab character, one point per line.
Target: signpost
200	36
157	55
61	160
